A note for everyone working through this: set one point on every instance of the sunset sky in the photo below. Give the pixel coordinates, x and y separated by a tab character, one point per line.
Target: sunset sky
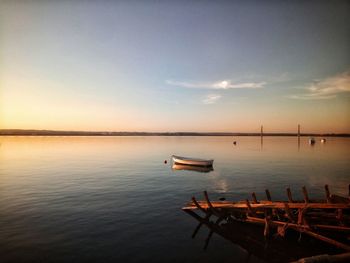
225	66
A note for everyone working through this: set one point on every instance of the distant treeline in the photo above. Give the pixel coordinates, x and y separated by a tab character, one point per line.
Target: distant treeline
19	132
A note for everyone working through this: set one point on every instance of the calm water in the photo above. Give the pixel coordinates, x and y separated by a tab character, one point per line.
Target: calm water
112	199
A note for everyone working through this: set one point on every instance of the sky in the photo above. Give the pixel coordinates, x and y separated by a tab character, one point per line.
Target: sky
203	66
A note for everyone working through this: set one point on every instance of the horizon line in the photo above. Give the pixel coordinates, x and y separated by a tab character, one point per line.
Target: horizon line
44	132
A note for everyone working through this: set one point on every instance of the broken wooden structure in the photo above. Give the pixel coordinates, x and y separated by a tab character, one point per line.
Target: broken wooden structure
326	220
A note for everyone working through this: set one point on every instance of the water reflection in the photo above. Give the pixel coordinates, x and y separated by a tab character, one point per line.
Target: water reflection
200	169
62	194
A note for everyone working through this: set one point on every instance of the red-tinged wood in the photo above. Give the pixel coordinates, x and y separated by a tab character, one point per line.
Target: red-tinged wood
267	227
288	212
250	210
198	205
301	216
211	208
302	227
267	205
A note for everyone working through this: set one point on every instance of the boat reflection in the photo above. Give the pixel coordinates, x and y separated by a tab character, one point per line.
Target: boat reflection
201	169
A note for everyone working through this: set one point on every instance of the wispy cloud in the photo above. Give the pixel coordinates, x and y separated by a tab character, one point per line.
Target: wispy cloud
224	84
327	88
211	98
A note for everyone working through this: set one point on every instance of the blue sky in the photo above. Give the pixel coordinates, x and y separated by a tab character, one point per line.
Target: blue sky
175	65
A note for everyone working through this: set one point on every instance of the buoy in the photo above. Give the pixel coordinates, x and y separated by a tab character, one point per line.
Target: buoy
165	161
323	140
234	142
312	141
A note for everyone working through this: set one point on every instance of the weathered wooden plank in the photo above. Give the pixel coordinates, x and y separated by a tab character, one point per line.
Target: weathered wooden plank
266	204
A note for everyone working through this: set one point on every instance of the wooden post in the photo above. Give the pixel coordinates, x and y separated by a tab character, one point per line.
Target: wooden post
198	205
288	212
211	208
255	201
250	210
289	194
268	196
267	226
306	197
328	194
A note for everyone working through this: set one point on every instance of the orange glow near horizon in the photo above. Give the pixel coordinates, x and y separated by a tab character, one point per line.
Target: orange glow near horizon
26	106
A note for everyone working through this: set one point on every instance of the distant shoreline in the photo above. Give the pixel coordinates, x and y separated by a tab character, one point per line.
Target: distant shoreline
19	132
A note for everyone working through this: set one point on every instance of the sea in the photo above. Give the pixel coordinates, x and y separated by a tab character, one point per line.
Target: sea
119	199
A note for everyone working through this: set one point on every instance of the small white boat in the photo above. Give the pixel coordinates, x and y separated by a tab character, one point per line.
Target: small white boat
192	161
323	140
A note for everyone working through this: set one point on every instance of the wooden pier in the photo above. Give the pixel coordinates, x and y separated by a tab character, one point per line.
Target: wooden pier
327	220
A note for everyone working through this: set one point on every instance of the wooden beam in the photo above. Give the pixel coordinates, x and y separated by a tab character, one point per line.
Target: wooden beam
261	205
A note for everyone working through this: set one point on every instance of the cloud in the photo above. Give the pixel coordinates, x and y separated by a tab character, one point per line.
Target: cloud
224	84
327	88
311	97
211	98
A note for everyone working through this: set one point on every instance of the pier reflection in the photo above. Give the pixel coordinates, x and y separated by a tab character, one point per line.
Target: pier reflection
250	238
201	169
